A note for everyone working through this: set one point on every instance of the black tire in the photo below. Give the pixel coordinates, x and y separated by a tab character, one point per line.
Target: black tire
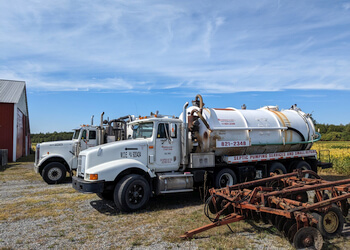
344	208
278	168
106	196
132	193
331	223
54	173
303	165
225	177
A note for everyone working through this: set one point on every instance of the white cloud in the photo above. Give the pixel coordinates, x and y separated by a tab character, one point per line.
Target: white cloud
346	6
223	47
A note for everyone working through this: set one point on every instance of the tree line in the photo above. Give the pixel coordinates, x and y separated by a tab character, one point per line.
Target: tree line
55	136
329	132
332	132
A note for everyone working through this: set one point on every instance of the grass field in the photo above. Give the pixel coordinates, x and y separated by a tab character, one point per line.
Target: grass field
338	152
35	215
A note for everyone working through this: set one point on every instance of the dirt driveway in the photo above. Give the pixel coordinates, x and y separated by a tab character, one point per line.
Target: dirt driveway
34	215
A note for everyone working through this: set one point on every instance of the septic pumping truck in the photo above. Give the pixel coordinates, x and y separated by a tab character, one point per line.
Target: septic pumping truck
219	146
54	159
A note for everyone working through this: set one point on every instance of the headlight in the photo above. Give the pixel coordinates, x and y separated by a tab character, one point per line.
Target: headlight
92	177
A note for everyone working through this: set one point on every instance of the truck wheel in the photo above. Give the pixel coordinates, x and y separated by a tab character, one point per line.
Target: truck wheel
54	173
277	168
132	193
303	165
331	223
225	177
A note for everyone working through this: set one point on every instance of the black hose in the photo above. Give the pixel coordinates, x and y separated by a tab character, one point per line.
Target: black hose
300	134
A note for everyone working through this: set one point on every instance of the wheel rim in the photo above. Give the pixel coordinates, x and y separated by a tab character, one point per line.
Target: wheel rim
305	168
54	174
330	222
278	171
136	194
225	180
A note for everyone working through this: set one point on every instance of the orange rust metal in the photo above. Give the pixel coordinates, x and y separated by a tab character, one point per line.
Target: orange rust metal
227	220
240	201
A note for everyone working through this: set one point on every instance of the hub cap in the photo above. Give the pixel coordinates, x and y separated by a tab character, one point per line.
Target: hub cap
331	222
226	180
135	194
54	174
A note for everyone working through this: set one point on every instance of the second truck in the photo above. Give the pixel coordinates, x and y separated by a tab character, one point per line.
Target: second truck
211	146
54	159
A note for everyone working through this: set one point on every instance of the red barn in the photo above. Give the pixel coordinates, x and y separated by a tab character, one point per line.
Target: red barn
14	119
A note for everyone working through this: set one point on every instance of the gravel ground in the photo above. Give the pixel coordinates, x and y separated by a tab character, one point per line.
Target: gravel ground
35	215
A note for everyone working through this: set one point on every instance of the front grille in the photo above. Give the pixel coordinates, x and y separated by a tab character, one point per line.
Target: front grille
81	165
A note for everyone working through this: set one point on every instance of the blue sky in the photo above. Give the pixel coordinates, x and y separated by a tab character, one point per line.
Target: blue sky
80	58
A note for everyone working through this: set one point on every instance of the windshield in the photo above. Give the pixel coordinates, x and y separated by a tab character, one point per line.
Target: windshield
76	134
142	130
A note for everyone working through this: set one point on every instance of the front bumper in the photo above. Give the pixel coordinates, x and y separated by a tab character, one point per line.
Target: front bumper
36	168
83	186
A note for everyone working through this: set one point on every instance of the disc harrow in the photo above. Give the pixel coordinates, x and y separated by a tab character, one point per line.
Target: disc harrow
286	202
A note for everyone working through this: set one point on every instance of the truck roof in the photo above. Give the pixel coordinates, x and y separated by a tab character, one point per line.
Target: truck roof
156	118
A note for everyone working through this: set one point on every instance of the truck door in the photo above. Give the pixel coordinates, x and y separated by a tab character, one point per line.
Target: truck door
92	139
83	140
167	147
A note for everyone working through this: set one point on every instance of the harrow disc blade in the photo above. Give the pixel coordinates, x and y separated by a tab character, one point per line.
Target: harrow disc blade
271	218
291	232
263	217
302	197
281	223
308	237
287	226
277	220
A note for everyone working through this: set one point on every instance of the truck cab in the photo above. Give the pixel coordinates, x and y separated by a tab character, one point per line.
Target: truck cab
124	170
54	159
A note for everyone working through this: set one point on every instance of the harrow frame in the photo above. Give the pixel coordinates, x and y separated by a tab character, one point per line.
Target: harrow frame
283	200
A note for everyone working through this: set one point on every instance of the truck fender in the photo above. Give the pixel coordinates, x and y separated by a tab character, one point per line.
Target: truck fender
52	158
109	171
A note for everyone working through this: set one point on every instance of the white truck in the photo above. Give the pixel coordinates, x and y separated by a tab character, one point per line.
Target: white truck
170	154
54	159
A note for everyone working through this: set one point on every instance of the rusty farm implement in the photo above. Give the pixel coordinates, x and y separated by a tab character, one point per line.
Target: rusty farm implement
301	205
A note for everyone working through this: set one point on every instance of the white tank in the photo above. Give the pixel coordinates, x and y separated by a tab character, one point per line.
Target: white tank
235	132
